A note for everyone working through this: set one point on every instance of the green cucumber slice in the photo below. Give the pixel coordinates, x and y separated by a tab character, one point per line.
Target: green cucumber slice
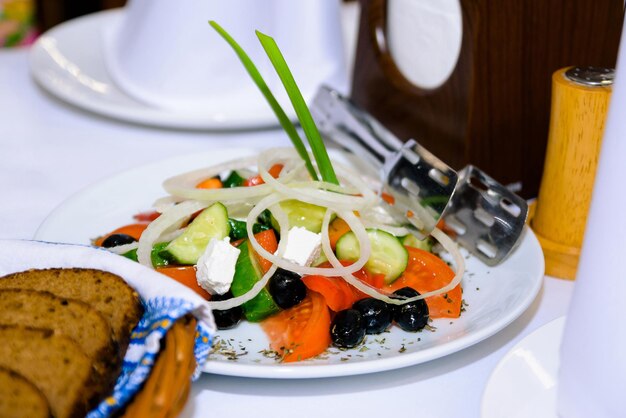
320	260
305	215
388	257
247	273
189	246
412	241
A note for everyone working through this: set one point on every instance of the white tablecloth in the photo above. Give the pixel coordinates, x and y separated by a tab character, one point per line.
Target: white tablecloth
49	151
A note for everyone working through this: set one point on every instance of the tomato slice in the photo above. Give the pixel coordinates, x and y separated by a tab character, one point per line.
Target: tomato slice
185	275
388	198
210	183
374	280
134	230
445	228
256	180
336	229
267	240
300	332
338	294
426	272
146	216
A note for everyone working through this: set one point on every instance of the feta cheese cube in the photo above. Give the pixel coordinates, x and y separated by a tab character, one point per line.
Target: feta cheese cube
216	266
303	246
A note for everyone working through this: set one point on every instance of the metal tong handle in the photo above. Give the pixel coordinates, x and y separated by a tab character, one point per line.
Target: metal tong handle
488	219
420	183
353	128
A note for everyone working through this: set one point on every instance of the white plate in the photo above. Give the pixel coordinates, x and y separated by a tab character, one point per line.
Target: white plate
524	383
496	296
68	62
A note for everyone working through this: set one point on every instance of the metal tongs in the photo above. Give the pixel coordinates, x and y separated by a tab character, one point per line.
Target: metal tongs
488	219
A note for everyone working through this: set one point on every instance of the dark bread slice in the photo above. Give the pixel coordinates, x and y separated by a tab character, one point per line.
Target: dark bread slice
70	317
106	292
55	364
19	398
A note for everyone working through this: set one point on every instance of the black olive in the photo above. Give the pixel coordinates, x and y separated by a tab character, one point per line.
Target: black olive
117	239
377	315
228	318
287	288
347	329
411	316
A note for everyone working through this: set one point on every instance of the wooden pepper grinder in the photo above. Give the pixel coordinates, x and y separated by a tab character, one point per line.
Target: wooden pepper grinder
580	100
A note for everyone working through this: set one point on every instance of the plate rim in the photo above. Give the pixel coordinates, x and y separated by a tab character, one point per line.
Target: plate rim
307	370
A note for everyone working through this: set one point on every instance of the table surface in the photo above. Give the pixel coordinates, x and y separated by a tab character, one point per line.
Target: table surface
50	150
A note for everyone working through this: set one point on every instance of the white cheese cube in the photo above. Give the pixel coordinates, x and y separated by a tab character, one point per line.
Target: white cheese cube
216	266
303	246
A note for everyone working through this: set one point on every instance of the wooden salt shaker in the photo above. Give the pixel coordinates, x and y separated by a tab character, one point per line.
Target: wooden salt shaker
580	100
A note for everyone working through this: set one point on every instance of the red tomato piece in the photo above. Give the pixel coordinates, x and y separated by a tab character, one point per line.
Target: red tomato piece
256	180
375	280
185	275
300	332
445	228
388	198
238	242
338	294
427	272
267	240
210	183
146	216
336	229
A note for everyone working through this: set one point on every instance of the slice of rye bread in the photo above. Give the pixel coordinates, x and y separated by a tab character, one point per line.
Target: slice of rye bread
106	292
70	317
19	398
55	364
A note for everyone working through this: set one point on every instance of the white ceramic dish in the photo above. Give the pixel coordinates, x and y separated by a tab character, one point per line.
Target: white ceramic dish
524	383
495	296
68	61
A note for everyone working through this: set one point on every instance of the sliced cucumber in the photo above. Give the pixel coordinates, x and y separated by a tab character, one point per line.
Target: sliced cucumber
247	273
412	241
189	246
320	260
305	215
388	257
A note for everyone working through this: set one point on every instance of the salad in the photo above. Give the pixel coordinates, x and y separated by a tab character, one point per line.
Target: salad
303	246
364	273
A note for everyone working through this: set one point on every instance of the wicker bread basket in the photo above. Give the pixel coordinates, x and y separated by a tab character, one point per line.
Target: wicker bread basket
167	388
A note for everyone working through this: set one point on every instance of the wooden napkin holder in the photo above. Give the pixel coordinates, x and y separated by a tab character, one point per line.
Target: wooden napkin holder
494	109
